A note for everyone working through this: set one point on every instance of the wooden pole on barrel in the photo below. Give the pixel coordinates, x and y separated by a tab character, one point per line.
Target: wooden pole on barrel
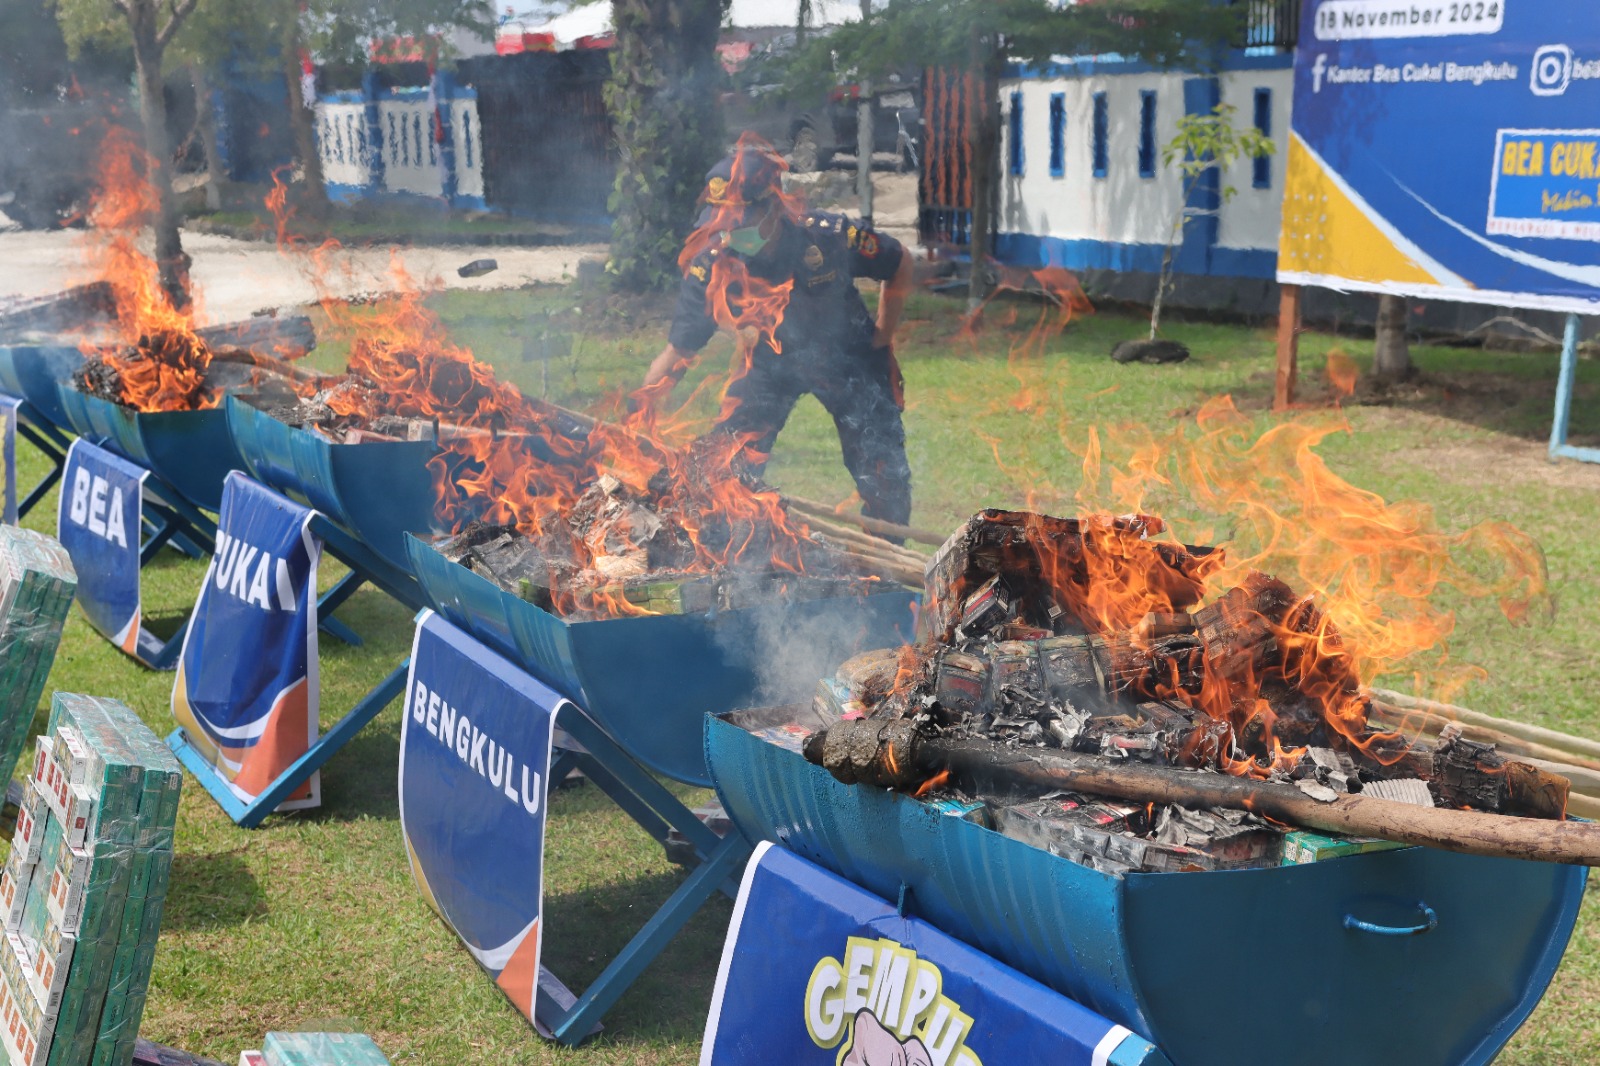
894	754
1288	346
1473	832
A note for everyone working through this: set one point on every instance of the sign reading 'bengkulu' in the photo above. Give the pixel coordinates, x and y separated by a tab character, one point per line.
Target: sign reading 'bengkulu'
474	761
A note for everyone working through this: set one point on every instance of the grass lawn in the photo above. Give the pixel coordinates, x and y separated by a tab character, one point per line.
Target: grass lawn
314	917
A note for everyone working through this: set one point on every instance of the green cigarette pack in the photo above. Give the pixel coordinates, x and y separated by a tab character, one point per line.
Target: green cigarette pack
49	962
141	778
111	772
37	905
24	1030
14	883
119	1029
322	1049
1301	847
37	583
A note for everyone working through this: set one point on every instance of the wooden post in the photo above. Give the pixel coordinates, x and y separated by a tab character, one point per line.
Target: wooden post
1288	346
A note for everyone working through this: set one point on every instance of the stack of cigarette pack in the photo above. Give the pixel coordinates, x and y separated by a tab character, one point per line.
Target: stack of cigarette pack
83	889
315	1049
37	583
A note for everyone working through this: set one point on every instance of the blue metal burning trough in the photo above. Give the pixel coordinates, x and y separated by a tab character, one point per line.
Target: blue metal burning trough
376	491
1414	956
648	681
191	451
31	373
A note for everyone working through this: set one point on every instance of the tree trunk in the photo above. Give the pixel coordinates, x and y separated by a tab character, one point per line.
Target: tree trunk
984	136
171	262
302	124
206	120
1391	355
663	83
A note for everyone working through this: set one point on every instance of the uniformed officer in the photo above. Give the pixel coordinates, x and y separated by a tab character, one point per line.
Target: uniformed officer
827	343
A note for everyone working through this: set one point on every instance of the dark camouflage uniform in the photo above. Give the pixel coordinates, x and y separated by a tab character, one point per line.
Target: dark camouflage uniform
826	341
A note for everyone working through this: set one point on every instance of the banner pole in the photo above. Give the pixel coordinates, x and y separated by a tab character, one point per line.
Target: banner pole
1564	380
1288	346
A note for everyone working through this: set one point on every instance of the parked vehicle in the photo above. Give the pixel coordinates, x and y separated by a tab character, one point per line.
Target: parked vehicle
811	132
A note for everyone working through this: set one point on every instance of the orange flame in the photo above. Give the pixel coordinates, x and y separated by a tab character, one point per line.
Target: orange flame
166	366
1342	373
1064	298
510	460
1366	570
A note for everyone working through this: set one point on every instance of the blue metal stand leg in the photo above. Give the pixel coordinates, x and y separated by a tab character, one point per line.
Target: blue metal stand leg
571	1026
248	815
331	601
53	451
656	810
167	657
1559	447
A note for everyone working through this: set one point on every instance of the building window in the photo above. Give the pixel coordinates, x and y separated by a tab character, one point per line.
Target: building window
1100	135
1261	165
1058	135
1147	134
1015	135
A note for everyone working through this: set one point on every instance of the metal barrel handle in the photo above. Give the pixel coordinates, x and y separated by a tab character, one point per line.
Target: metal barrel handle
1429	922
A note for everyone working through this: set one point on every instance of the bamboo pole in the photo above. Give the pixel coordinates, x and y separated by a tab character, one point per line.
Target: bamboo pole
879	565
1432	724
871	525
867	540
1465	716
1582	806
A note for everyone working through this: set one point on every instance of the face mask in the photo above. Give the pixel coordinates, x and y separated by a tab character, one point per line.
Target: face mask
747	240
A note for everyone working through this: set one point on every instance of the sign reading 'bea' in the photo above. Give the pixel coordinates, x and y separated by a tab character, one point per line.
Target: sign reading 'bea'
97	505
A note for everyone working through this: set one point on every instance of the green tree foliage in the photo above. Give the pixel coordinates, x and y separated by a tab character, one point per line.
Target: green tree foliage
663	101
266	37
1202	142
150	26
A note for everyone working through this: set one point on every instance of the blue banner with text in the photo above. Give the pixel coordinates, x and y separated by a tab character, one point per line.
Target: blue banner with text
98	522
247	689
819	972
474	765
1447	148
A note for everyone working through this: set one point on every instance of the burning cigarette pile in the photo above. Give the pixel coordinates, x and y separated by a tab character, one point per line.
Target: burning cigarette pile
657	549
1085	640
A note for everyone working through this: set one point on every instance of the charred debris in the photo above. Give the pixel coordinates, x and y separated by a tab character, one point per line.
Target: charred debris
621	550
1078	648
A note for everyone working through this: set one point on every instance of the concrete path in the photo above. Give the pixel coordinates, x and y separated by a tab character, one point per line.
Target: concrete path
234	279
